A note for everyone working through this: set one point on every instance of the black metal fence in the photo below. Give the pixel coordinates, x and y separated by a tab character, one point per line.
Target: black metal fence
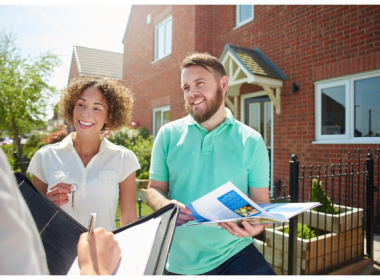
21	162
341	238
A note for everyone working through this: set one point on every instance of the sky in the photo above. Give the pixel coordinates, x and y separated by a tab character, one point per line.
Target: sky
57	28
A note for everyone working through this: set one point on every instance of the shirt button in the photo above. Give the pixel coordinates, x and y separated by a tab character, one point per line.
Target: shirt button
208	135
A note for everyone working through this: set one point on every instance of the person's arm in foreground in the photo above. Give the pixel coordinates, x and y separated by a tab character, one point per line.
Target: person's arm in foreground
100	255
157	196
259	196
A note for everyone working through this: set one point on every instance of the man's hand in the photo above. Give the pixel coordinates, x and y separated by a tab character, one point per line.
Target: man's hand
248	230
157	195
184	213
100	255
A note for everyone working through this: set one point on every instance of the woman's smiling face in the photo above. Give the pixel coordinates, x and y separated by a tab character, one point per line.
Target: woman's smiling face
90	112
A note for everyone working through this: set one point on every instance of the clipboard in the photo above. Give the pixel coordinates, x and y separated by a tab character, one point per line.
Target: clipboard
60	232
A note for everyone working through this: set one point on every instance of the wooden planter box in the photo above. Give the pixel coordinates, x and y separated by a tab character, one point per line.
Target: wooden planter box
345	221
141	186
315	252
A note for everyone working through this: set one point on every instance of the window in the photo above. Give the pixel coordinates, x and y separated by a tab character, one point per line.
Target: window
161	116
163	38
348	109
244	14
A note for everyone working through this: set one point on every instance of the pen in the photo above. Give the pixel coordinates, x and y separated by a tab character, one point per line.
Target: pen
91	225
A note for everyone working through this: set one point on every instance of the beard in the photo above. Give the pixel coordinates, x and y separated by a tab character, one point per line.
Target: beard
213	106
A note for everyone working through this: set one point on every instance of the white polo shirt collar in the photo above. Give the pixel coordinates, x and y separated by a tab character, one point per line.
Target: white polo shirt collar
68	140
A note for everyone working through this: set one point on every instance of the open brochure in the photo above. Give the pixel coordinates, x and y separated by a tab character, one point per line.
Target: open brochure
228	203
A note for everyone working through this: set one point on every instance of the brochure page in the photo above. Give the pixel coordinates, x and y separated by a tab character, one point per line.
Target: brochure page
228	203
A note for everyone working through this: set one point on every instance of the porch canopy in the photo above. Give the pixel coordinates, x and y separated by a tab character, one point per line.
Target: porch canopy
252	67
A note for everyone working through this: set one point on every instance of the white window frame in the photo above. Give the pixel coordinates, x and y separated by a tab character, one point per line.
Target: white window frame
348	137
162	110
162	22
238	23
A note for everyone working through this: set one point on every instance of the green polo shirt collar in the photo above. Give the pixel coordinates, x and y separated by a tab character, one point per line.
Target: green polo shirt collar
189	120
208	137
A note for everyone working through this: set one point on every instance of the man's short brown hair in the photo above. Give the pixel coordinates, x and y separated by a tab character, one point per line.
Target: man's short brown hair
205	59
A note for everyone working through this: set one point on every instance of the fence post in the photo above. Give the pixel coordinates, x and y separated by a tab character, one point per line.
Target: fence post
16	160
369	205
139	202
293	222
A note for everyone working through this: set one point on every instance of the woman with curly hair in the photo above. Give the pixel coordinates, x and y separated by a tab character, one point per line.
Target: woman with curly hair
85	162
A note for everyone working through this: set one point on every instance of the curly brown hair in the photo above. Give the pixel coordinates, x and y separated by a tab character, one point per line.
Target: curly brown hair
117	96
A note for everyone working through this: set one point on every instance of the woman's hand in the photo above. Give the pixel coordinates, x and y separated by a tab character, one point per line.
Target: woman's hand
100	255
59	193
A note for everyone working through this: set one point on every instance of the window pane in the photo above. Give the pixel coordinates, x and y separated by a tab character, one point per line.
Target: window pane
168	37
254	116
166	117
158	121
245	12
334	110
160	41
367	107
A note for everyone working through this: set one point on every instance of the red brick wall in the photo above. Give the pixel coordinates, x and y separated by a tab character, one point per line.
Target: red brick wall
161	79
73	69
307	43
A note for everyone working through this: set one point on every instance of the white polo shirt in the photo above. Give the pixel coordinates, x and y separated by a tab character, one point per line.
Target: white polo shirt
98	182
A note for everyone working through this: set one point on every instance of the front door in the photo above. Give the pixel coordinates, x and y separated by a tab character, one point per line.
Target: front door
258	115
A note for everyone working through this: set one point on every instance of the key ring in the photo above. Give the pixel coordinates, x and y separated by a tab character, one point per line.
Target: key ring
76	186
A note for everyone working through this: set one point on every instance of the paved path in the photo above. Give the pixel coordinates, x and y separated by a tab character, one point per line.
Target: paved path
376	246
374	267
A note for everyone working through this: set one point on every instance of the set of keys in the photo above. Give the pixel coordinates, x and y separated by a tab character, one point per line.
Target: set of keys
73	196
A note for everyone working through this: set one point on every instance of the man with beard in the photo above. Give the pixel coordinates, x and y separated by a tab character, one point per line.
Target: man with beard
193	156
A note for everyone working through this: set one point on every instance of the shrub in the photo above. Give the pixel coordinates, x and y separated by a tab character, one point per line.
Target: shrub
318	195
307	232
138	141
56	136
33	141
9	150
119	137
143	151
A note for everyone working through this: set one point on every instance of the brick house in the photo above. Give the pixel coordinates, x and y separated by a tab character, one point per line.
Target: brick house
306	77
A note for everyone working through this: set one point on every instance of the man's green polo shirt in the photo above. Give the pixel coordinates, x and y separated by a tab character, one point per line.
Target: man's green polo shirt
196	162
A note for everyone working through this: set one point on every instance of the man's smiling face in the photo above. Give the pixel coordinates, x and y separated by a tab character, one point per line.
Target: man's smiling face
202	93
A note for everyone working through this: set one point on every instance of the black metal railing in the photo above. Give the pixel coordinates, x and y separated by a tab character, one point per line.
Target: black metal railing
21	162
339	238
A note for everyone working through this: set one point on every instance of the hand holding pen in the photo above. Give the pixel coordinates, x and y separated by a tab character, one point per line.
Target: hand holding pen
98	251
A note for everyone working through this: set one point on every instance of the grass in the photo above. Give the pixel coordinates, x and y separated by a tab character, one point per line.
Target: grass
145	210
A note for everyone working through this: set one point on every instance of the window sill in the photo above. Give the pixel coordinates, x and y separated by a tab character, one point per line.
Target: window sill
243	23
366	140
153	62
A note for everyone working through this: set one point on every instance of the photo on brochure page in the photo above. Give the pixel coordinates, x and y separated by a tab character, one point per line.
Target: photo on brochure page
246	211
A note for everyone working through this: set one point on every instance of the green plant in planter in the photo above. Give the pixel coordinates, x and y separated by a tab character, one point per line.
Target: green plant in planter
307	232
318	195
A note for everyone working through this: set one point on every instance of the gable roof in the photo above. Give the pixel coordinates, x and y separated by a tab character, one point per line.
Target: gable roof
98	63
255	62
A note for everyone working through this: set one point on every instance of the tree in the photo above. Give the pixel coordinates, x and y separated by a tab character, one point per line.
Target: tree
24	89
